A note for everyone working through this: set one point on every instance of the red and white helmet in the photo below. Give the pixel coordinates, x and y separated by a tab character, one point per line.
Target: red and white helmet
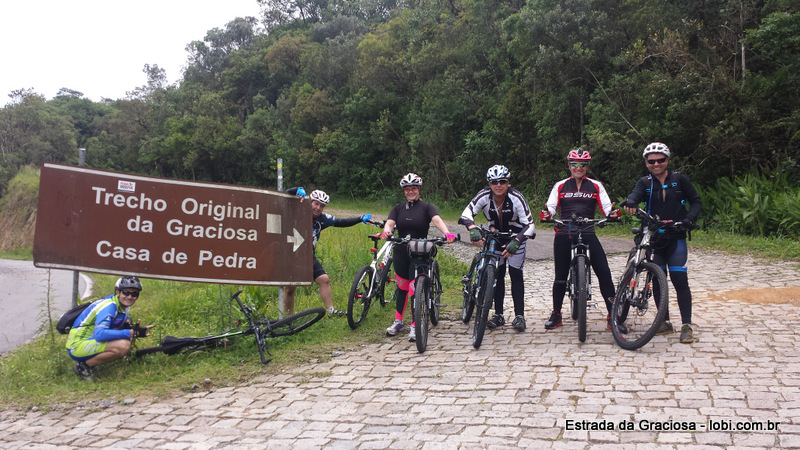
656	147
320	196
579	154
411	179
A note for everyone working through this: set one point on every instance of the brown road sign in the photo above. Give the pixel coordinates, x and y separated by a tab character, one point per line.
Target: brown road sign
116	223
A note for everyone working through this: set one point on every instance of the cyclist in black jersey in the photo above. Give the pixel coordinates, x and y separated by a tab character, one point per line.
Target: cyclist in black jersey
578	195
505	210
665	194
319	221
412	217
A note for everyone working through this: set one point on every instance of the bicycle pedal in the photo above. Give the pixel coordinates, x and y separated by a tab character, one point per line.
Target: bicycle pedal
592	305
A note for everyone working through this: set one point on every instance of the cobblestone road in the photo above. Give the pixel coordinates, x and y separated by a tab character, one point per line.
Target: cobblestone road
534	389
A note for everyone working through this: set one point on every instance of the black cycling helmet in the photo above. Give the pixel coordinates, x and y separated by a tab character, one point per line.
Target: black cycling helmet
128	283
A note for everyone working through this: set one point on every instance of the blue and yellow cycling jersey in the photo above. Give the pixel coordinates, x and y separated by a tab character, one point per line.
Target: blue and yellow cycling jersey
103	321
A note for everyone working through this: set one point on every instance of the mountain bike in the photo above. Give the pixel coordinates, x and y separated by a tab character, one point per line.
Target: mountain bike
370	281
261	328
641	301
579	280
427	285
479	282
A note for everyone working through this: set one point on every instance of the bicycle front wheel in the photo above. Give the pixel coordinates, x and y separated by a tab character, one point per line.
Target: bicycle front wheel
358	302
486	295
422	312
436	293
640	304
294	323
581	294
468	305
383	279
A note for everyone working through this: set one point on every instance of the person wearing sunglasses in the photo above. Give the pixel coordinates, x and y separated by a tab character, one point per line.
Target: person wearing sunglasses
320	220
103	333
665	193
578	195
505	209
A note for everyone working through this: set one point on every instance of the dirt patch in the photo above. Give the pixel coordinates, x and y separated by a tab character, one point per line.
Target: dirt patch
767	296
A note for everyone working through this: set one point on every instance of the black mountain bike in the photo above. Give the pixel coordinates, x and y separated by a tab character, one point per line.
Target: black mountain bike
261	328
480	281
370	281
580	269
642	293
427	285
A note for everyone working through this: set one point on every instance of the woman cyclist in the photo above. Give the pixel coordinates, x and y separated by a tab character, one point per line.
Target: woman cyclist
578	195
506	210
412	217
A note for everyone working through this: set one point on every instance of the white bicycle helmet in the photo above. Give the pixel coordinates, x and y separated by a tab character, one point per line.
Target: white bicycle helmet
128	283
656	147
497	172
320	196
411	179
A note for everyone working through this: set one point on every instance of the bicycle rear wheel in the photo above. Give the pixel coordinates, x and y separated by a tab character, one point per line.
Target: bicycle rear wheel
422	311
486	295
436	293
358	303
581	294
384	278
469	279
292	324
641	304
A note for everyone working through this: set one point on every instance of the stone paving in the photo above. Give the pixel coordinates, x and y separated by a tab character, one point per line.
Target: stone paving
536	389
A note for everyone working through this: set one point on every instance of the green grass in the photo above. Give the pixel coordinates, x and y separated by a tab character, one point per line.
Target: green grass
40	373
24	254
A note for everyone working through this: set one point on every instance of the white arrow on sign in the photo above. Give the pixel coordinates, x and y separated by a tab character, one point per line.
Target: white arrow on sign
297	239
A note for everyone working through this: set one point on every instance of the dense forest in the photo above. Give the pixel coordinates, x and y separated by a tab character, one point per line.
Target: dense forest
352	94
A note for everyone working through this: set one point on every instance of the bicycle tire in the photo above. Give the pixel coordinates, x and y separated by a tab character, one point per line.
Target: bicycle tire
436	293
358	303
572	295
422	288
581	294
486	293
384	277
293	324
639	288
468	304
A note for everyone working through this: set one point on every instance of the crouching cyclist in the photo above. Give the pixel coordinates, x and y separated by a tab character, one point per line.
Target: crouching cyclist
103	333
505	210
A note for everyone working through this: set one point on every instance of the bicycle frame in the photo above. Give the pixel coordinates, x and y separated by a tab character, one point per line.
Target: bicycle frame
380	258
482	294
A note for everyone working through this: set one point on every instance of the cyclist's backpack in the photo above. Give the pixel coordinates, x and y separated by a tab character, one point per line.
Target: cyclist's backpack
68	318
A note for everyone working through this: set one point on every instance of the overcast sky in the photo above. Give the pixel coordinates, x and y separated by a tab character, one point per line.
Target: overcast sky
99	47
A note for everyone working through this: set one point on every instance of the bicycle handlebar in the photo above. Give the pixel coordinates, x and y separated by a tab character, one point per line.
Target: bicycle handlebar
438	240
582	222
662	224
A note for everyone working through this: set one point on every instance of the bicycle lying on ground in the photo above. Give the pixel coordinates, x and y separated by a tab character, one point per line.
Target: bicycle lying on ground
479	282
642	293
261	328
370	280
579	280
427	285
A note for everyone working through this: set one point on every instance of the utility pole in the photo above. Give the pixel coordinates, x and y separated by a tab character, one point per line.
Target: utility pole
281	301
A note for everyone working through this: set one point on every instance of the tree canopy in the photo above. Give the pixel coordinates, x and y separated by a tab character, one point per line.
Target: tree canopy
353	94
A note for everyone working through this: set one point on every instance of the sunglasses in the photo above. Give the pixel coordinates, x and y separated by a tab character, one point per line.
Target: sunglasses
578	164
134	294
656	161
496	182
